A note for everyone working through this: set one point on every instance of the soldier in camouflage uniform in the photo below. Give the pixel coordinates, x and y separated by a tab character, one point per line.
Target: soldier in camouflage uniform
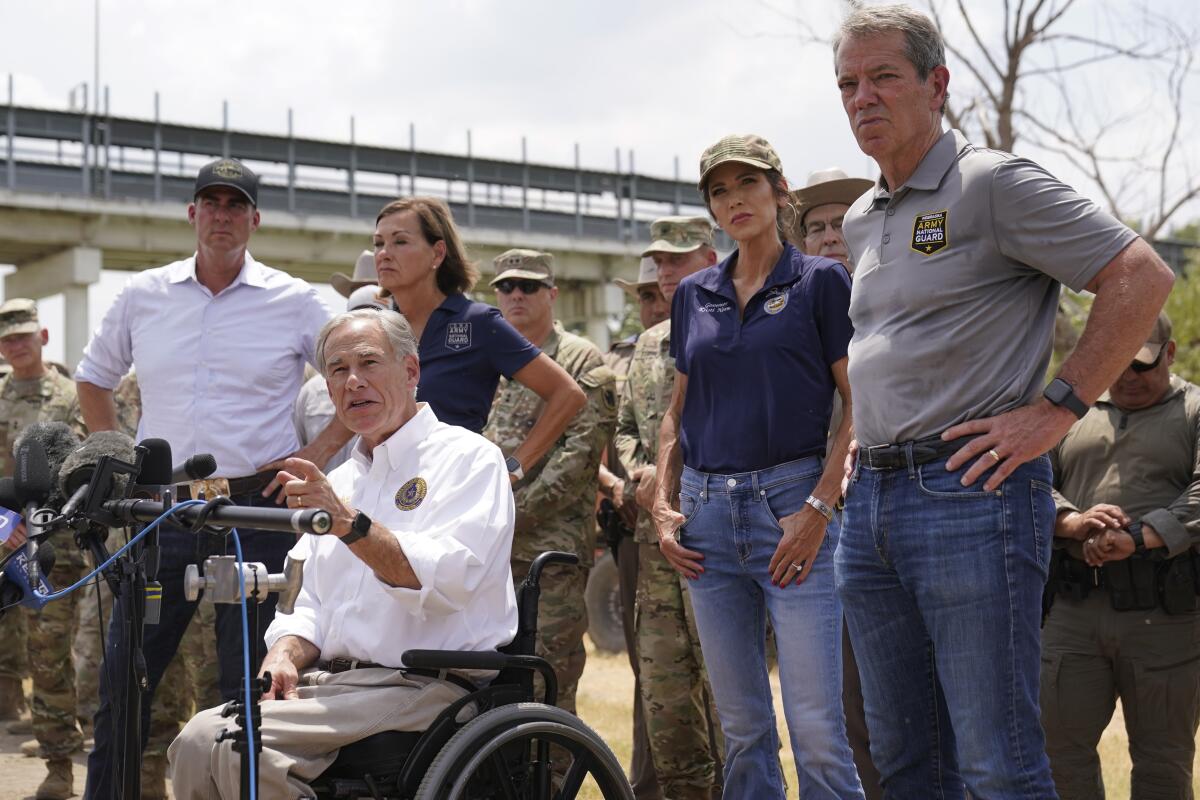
34	392
554	497
616	487
681	720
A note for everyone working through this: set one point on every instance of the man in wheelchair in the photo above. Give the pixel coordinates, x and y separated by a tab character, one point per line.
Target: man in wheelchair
418	558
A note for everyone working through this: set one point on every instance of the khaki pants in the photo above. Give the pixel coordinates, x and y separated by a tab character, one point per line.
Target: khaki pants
301	737
1091	655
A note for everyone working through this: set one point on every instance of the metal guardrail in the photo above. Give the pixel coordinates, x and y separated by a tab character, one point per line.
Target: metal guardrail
100	155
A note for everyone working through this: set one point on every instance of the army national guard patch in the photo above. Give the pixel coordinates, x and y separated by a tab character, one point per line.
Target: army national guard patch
411	494
458	336
929	233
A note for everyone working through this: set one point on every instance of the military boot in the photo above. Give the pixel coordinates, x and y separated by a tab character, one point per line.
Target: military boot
31	749
12	698
22	727
59	783
154	777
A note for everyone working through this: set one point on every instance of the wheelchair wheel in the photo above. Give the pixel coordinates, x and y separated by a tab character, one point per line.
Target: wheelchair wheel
509	753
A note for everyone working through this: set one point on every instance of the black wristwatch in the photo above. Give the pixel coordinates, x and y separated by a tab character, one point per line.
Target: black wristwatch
358	529
1063	394
1139	539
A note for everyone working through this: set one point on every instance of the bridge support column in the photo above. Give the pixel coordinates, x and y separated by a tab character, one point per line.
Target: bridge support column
69	273
602	301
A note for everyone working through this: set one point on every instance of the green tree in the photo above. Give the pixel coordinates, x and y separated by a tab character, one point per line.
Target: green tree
1183	307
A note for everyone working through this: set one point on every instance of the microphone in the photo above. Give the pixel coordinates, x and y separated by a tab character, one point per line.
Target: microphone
75	475
156	463
58	441
33	484
196	468
15	586
291	520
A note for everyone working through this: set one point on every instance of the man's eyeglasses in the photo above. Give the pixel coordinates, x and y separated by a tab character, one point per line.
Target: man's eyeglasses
1138	366
526	286
818	228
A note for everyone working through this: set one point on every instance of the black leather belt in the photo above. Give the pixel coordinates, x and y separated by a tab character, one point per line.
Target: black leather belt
895	456
243	485
347	664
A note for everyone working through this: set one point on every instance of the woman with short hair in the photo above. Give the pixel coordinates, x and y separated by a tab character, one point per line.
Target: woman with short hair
759	342
465	346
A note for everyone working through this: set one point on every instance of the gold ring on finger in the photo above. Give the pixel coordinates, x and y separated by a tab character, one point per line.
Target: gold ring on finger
994	455
300	500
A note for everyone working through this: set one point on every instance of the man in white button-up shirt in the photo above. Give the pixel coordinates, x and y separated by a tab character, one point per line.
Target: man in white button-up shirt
418	557
219	341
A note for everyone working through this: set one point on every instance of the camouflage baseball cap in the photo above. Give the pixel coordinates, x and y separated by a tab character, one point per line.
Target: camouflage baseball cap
647	276
679	235
528	264
746	149
19	315
1158	338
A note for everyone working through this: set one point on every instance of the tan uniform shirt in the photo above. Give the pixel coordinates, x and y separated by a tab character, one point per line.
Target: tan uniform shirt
50	398
1147	462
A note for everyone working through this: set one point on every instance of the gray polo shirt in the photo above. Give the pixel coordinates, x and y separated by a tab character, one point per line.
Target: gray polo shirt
956	287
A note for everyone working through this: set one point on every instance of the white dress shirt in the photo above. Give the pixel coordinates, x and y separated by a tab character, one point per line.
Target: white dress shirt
457	537
218	374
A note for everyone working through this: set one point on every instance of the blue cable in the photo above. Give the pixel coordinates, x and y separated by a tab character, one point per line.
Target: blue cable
237	546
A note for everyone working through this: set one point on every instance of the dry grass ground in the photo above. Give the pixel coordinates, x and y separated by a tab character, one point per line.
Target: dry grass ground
604	703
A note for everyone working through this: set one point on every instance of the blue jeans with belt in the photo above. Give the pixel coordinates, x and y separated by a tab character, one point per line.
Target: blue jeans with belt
734	521
179	548
942	586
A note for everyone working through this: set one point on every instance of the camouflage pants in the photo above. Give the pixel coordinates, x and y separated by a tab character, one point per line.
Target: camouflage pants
87	650
189	684
51	632
562	621
14	662
681	720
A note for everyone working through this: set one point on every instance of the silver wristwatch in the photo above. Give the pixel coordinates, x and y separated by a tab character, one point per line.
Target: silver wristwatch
822	508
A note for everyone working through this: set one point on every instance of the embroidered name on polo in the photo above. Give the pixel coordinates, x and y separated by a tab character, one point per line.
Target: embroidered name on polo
715	308
458	336
929	233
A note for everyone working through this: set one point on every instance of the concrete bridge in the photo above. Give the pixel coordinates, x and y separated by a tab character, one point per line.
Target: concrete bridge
81	192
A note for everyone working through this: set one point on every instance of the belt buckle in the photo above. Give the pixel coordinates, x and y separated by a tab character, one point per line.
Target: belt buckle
209	488
879	447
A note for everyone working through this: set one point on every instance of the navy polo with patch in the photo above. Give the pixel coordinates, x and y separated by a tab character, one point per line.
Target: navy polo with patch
759	383
465	348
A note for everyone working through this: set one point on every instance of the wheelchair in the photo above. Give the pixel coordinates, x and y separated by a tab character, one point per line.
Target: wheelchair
514	748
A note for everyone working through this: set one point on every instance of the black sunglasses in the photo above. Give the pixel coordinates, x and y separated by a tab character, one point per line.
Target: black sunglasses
526	286
1138	366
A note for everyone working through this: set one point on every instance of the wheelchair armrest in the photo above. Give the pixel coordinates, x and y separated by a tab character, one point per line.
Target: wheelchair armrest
483	659
454	659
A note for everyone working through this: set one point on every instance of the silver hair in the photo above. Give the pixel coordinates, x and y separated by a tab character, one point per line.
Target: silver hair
394	326
923	41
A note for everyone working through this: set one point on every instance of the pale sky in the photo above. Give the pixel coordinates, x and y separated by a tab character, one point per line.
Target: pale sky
664	78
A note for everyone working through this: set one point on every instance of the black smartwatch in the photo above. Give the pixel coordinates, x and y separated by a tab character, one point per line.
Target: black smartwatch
1063	394
358	529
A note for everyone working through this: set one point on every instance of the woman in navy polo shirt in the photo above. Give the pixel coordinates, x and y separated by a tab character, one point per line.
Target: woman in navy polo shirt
464	346
759	343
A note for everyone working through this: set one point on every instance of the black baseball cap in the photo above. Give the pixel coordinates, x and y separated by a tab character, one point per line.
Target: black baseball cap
228	172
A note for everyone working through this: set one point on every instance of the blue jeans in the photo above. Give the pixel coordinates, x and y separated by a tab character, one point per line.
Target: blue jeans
942	586
733	521
179	548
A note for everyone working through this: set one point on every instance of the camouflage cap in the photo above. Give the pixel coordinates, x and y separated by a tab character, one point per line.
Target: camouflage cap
1157	339
746	149
19	315
679	235
528	264
647	276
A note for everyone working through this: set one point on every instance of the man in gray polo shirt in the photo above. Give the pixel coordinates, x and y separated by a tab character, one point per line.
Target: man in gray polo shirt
949	515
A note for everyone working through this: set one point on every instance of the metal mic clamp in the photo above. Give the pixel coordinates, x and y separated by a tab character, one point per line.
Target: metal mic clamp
222	582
